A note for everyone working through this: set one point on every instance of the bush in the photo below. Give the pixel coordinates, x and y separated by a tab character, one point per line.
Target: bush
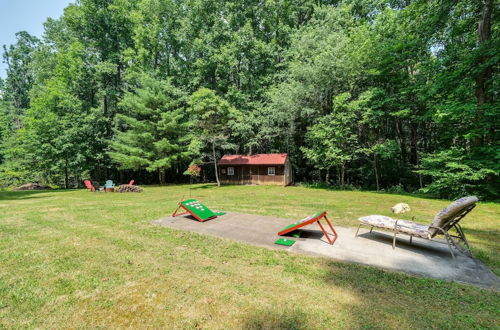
455	174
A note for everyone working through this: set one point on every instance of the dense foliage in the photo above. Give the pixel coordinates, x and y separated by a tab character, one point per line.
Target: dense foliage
366	93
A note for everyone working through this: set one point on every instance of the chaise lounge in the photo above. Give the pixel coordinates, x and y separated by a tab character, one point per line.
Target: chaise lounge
442	224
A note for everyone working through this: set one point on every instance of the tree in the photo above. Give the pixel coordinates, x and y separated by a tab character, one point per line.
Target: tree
60	137
152	131
213	118
456	174
334	140
20	73
485	67
421	77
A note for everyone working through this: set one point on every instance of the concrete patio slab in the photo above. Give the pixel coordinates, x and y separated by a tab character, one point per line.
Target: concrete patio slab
422	257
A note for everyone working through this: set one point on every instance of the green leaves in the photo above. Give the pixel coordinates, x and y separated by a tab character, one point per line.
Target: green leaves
456	174
367	87
152	132
211	114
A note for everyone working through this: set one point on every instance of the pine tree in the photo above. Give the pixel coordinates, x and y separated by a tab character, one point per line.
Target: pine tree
152	131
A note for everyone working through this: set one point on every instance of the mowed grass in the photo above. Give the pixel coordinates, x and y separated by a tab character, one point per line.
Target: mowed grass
75	259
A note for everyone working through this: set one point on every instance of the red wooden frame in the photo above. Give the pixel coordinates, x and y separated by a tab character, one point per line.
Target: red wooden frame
313	220
187	211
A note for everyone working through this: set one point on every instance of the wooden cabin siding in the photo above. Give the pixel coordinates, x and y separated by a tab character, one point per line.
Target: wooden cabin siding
253	169
253	174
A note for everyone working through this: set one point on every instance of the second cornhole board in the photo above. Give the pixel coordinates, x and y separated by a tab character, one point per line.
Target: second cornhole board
284	241
197	209
310	220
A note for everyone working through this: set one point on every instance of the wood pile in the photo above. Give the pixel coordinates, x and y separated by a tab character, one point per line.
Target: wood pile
128	188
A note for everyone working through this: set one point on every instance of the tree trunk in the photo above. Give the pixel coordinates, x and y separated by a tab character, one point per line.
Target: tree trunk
342	175
484	35
66	179
375	169
215	164
161	175
419	174
338	175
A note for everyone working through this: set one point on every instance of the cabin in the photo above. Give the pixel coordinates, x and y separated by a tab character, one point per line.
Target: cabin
265	169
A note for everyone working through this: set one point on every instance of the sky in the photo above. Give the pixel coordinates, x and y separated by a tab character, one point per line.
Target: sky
27	15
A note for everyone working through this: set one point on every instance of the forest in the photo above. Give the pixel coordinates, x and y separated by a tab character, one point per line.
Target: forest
386	95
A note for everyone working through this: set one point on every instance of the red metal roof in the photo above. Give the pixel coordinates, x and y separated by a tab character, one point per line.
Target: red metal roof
259	159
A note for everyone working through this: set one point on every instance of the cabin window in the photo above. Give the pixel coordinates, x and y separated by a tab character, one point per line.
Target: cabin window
271	171
230	171
223	171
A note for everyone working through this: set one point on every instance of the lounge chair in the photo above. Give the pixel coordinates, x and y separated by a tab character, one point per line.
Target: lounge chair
89	185
442	223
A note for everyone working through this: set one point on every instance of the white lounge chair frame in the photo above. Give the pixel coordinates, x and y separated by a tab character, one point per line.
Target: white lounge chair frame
453	240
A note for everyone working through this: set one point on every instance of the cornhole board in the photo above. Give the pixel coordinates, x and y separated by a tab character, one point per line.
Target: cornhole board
284	241
310	220
196	208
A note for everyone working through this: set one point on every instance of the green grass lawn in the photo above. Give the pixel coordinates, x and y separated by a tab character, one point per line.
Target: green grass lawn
75	259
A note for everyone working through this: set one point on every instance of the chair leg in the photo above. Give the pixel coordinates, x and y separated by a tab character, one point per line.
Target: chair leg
461	236
357	230
371	228
411	236
394	241
450	242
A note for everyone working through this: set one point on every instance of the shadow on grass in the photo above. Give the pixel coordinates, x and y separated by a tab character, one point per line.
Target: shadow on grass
384	293
203	186
370	298
276	319
29	194
381	192
16	195
214	185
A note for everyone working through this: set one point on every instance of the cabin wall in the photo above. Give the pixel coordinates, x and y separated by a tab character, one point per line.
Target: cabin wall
253	174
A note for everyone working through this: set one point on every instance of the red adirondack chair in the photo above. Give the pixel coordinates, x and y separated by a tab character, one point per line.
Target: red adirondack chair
131	182
89	185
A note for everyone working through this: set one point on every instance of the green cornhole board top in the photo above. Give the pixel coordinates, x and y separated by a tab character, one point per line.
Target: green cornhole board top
315	215
200	209
284	241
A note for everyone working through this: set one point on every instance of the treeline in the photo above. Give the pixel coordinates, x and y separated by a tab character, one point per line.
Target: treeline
373	94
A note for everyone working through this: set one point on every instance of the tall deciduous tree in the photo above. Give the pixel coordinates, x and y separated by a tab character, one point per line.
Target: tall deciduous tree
213	118
61	138
333	142
20	73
